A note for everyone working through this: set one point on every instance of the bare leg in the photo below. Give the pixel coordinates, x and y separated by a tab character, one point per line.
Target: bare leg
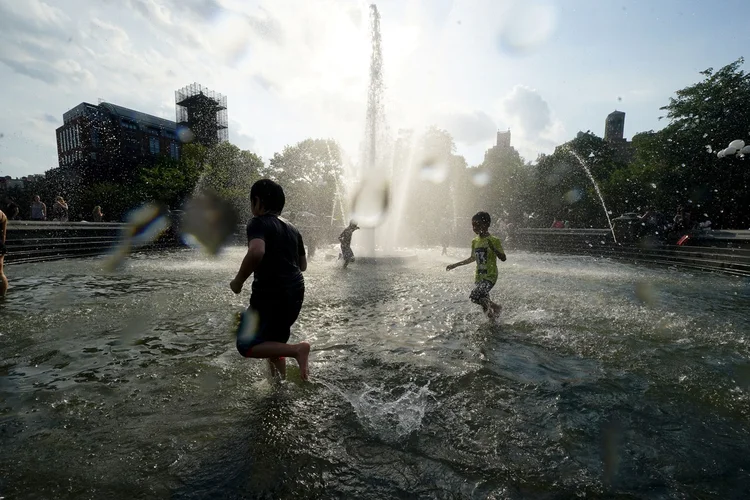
300	352
278	367
3	279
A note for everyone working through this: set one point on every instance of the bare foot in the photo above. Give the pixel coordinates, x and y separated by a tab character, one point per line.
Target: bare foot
303	353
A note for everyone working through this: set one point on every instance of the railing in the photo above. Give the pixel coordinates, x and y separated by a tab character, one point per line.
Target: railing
722	251
33	241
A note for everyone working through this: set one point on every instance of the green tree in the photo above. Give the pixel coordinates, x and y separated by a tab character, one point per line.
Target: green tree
563	188
703	119
170	181
310	172
226	171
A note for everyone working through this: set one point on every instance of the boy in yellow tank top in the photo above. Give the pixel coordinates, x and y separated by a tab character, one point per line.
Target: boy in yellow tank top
485	249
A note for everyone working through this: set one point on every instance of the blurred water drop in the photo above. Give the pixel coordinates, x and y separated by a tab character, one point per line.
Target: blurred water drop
745	150
730	151
653	185
480	178
371	202
144	225
721	154
709	150
208	222
573	195
644	292
527	26
184	134
433	170
246	325
737	144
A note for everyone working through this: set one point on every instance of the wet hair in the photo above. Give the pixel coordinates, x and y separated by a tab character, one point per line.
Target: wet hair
482	218
270	194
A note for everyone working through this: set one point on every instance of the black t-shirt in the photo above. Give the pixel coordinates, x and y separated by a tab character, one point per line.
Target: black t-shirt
279	270
346	236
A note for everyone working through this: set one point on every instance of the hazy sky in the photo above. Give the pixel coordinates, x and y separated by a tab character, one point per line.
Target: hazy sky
293	69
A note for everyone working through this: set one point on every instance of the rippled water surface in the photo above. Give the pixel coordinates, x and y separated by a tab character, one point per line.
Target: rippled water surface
600	380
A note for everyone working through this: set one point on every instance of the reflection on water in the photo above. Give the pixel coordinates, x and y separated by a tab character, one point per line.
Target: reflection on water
128	385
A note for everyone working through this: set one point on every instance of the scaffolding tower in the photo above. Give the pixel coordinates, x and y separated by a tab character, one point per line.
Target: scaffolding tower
204	112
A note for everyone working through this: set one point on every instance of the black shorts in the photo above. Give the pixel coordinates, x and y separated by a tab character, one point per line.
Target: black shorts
481	291
346	253
269	318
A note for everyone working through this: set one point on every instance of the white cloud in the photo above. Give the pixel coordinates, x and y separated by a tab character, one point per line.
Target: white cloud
468	127
534	128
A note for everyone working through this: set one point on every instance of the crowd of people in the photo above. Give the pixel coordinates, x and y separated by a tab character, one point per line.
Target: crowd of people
38	210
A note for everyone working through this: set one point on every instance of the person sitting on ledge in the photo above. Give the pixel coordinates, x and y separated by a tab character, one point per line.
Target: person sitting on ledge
3	229
60	210
97	215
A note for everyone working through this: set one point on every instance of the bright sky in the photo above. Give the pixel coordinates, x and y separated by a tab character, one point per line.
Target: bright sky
293	69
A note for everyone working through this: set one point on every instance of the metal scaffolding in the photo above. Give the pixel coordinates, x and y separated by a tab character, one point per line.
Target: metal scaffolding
204	112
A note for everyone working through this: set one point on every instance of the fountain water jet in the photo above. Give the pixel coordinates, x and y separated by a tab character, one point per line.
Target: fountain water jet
596	188
372	202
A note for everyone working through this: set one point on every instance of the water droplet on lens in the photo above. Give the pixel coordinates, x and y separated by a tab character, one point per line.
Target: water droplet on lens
246	325
370	204
144	225
433	170
184	134
644	292
208	222
573	195
527	25
481	178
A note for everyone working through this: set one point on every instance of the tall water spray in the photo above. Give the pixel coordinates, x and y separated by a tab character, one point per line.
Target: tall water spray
596	188
372	197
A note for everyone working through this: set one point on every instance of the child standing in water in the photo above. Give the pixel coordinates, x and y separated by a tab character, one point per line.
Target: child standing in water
276	257
346	243
485	248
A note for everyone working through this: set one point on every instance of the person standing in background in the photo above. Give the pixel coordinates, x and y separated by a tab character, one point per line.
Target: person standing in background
97	215
60	210
38	209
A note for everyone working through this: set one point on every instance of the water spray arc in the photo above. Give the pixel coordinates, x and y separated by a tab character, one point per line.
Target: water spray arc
596	187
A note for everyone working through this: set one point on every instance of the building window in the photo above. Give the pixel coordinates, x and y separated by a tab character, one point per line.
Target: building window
153	145
173	151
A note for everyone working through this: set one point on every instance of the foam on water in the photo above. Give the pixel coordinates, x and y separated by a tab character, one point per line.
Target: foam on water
391	413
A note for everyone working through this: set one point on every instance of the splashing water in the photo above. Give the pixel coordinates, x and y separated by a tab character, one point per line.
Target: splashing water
391	414
596	188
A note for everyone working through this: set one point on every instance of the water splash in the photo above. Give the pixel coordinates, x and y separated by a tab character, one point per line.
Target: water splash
596	187
391	413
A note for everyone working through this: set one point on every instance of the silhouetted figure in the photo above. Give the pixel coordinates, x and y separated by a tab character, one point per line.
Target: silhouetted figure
346	243
97	215
11	209
276	258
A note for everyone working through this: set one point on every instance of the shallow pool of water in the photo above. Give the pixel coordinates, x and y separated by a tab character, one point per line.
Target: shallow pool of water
600	379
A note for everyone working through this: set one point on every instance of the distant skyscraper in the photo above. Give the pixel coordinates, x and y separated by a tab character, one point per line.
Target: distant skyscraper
614	127
204	112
